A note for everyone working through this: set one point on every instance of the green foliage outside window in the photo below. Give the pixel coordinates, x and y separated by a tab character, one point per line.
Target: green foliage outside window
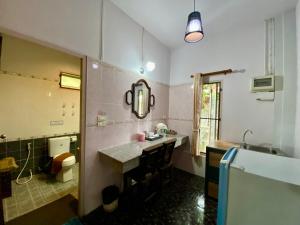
210	114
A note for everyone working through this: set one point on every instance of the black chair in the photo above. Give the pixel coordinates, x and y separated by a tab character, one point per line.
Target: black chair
165	163
144	181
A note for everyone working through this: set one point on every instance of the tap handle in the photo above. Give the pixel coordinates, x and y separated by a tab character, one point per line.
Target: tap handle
3	136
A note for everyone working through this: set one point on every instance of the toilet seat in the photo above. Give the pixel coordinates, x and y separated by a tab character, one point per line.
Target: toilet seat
69	161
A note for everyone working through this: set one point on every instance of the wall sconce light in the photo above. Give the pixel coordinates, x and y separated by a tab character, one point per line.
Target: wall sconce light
95	66
150	66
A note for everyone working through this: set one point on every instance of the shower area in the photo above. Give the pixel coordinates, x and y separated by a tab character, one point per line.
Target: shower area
39	125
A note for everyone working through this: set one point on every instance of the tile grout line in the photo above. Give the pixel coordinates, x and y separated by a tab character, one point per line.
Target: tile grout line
5	211
33	202
33	185
20	148
41	195
42	136
5	148
33	163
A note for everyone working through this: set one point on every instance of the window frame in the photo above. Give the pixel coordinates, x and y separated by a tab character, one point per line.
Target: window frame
219	119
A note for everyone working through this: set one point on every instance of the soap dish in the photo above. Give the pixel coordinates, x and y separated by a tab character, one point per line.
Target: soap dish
153	138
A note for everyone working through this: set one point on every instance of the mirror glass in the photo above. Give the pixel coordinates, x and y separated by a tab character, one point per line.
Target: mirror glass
141	92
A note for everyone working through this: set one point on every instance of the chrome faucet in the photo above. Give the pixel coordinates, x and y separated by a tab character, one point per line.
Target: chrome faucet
244	137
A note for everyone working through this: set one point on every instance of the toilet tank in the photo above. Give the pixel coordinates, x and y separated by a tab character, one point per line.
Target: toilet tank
58	145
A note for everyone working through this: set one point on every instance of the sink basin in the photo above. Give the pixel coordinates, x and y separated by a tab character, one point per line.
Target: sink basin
8	164
261	149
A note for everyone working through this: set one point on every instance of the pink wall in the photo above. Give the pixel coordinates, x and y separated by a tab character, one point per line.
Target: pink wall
181	120
106	87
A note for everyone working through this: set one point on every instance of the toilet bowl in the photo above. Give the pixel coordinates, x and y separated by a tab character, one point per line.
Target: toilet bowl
58	146
66	172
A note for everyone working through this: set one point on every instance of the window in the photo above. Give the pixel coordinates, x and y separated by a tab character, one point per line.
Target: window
71	81
210	114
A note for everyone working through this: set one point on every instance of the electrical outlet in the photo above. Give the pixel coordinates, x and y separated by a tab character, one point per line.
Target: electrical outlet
101	124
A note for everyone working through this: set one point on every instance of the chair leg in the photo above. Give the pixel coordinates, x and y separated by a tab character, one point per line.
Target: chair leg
171	172
125	183
161	179
168	175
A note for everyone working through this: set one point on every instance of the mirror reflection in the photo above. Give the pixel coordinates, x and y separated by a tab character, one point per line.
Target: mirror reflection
140	98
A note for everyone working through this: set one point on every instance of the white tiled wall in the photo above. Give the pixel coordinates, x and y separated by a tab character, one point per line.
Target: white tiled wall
106	87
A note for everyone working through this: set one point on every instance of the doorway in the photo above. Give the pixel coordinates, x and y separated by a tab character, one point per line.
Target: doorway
41	104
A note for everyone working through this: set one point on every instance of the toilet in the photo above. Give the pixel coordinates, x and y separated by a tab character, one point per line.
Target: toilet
58	146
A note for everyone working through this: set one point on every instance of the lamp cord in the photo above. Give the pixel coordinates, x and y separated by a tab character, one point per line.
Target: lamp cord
142	46
101	31
194	5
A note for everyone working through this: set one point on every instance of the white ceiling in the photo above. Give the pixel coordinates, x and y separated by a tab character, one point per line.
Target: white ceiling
166	19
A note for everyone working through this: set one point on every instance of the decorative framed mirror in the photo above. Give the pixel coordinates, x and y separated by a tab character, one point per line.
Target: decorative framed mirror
140	98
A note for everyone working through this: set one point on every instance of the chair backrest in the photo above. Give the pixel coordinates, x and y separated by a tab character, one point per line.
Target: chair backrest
168	151
149	159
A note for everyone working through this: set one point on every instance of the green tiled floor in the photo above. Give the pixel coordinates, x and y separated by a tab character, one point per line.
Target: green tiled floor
38	192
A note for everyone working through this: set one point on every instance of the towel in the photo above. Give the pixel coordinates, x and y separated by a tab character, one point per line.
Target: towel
57	162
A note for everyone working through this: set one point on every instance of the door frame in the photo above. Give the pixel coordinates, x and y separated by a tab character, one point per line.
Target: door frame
82	126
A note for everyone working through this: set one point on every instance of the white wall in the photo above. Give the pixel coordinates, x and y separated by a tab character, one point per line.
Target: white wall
286	68
105	94
122	45
297	123
32	59
106	87
237	49
243	48
74	25
29	104
71	24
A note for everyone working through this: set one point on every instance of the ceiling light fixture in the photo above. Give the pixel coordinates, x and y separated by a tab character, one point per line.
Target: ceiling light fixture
194	29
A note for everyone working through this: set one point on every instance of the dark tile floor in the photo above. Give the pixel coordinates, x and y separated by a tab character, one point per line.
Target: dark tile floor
180	203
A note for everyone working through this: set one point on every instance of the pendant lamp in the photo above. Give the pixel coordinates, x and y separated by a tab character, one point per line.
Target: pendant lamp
194	29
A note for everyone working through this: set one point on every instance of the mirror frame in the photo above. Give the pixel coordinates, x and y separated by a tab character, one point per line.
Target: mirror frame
151	99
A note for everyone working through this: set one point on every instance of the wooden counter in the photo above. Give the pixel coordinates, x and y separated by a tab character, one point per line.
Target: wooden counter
222	145
214	154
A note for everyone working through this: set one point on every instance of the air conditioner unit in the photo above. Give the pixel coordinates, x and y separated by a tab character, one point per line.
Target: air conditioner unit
263	84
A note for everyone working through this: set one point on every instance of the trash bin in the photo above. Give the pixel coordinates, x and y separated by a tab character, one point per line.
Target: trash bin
110	198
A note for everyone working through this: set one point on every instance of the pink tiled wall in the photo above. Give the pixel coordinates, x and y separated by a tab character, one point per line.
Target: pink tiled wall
106	87
181	120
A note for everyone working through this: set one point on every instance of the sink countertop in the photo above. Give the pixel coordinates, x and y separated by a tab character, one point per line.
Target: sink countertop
225	145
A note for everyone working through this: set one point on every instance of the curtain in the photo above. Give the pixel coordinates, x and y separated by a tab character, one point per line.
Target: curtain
197	114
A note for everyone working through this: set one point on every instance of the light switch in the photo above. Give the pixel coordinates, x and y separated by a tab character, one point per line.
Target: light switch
101	120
